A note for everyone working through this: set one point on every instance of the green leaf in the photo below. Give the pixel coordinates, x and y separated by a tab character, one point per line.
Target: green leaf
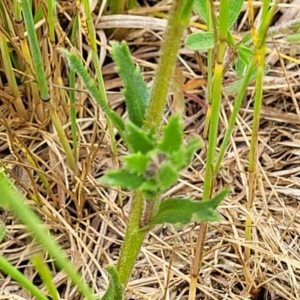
182	158
167	175
245	54
115	289
138	139
200	6
76	64
136	163
2	231
235	7
122	178
292	38
135	89
150	189
45	273
230	39
240	67
200	41
182	211
172	135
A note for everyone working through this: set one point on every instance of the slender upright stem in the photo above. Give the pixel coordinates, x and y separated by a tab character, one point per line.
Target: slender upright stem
212	138
259	39
179	18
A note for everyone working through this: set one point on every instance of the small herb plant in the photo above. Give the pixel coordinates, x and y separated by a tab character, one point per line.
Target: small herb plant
250	65
152	165
154	160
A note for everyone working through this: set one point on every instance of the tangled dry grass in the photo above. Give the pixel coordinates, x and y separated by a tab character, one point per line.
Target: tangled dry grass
92	238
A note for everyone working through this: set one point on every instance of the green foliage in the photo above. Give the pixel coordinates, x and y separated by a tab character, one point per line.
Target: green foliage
76	64
114	290
2	231
46	276
16	275
13	200
35	49
172	135
179	211
200	41
154	165
138	140
244	56
206	40
135	89
154	162
234	8
123	178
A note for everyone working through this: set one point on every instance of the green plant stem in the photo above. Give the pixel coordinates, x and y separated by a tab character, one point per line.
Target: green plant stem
133	239
35	50
132	4
260	50
21	278
63	140
212	138
237	105
117	7
210	52
179	18
100	81
72	81
14	200
18	104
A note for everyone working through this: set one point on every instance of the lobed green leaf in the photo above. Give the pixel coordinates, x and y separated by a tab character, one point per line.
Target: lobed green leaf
136	162
122	178
167	176
182	158
172	135
135	89
139	140
182	211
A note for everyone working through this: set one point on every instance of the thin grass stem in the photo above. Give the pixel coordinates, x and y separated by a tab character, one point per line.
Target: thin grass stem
18	103
212	138
99	77
13	200
35	50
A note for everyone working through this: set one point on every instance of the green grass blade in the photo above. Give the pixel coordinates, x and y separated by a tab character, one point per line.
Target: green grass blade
76	64
35	50
51	19
99	77
237	104
16	275
8	68
72	80
13	199
46	276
